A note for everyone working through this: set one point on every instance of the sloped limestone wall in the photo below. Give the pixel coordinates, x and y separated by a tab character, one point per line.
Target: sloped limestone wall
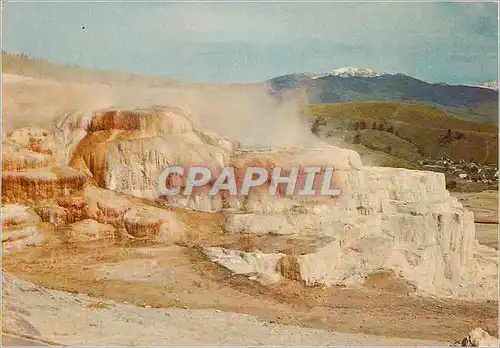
385	219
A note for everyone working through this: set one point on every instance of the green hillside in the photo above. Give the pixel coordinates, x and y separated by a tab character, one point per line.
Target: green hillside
407	132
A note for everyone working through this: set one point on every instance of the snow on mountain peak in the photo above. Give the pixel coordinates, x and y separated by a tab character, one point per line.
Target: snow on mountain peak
347	72
352	71
490	85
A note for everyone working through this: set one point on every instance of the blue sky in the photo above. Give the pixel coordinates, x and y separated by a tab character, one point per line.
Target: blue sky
249	42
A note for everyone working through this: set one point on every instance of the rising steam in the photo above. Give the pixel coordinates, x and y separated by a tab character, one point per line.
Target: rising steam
247	113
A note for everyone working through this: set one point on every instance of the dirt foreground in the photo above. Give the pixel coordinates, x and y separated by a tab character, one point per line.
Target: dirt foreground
81	320
176	296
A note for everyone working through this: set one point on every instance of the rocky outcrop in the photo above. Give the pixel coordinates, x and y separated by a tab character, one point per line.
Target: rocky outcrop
105	206
255	264
15	157
86	231
394	219
34	186
66	209
74	205
479	338
37	140
385	219
133	167
150	221
54	214
126	150
132	218
20	227
36	171
16	215
31	148
101	211
34	167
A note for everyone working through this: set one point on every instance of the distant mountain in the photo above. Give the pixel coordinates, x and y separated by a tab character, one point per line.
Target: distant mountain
471	103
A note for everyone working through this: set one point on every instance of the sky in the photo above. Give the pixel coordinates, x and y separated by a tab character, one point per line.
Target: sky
215	42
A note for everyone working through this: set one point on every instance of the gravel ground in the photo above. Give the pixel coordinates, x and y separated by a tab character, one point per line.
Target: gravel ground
76	319
13	340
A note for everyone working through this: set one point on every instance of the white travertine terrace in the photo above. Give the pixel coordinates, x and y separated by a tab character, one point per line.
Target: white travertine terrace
387	219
